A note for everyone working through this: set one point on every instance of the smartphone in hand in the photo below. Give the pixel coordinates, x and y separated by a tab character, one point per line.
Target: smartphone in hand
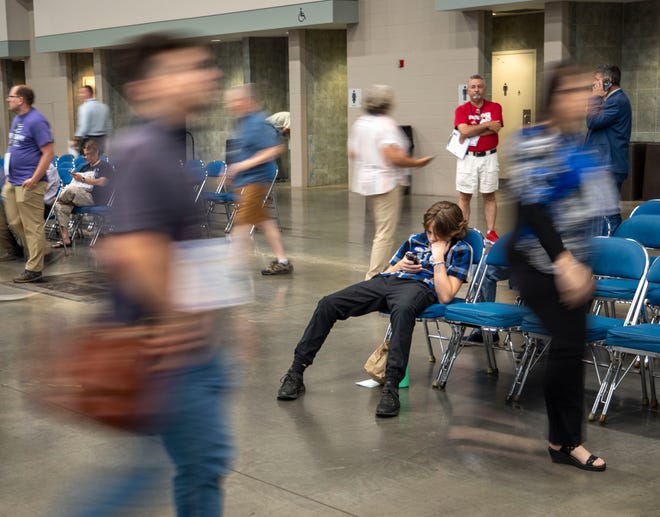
412	257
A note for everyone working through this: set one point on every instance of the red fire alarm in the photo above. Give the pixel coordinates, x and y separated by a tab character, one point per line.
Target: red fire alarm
401	63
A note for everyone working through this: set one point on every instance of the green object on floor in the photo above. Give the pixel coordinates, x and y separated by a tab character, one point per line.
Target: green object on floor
405	382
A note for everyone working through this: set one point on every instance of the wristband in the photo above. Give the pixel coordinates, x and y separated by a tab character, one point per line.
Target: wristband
433	263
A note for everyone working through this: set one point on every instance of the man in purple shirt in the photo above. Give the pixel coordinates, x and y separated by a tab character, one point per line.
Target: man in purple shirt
29	152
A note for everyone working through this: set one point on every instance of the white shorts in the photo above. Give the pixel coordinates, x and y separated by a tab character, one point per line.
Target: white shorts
477	174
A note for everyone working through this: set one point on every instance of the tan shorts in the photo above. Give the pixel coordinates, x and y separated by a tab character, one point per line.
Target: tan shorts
251	208
477	174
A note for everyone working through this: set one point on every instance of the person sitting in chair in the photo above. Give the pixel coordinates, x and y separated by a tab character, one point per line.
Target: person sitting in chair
428	267
96	173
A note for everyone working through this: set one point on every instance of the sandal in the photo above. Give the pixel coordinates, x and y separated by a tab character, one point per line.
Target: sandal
564	456
61	244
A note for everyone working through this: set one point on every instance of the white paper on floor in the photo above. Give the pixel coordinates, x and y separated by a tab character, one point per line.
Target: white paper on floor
369	383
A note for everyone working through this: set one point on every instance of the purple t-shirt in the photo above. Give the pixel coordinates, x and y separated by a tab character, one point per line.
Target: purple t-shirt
28	134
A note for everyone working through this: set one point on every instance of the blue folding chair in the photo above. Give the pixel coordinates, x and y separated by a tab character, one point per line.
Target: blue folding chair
100	217
65	159
221	197
490	317
619	267
643	228
650	207
627	344
79	162
230	201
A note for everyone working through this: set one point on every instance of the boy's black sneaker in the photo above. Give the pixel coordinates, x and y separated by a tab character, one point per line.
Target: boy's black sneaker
292	386
389	401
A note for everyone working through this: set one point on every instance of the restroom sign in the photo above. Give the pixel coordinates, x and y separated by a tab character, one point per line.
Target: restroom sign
355	97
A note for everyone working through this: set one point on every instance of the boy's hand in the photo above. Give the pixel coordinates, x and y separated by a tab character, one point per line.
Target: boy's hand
439	249
409	266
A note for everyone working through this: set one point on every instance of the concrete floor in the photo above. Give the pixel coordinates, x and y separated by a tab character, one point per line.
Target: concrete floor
461	451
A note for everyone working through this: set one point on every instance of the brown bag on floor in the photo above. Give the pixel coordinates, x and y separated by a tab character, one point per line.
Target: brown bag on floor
375	365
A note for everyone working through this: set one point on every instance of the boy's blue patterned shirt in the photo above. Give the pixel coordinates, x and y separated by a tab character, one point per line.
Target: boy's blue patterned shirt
457	259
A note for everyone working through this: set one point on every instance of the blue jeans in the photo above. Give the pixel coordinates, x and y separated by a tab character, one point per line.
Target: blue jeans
198	441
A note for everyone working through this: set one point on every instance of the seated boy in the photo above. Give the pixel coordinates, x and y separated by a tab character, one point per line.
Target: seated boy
435	271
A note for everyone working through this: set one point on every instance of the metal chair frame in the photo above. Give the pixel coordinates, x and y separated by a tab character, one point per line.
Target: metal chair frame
496	256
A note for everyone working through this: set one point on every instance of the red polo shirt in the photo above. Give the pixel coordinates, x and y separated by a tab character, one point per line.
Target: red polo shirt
469	114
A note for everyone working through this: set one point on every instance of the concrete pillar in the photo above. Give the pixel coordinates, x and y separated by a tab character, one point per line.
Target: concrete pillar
298	108
48	75
556	34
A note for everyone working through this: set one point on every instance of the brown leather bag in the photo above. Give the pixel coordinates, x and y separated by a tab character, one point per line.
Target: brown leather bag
118	376
106	376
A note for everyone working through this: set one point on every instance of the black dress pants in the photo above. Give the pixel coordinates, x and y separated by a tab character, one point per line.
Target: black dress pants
564	375
403	298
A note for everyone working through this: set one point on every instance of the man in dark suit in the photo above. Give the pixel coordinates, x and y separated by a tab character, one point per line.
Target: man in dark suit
609	123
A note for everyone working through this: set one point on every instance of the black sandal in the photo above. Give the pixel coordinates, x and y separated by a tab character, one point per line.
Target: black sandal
564	456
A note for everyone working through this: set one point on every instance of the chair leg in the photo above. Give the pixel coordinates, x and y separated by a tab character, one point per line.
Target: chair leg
99	228
490	352
642	376
603	388
427	335
388	334
453	349
614	382
523	369
654	398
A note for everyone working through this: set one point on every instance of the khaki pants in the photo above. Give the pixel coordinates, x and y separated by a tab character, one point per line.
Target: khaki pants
25	215
70	198
8	243
386	209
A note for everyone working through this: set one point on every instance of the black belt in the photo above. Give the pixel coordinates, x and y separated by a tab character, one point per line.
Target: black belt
482	153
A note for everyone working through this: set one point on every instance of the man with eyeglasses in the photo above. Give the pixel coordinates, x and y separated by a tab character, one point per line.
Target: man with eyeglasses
29	153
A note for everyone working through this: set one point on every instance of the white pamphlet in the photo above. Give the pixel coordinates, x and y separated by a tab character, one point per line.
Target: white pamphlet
207	274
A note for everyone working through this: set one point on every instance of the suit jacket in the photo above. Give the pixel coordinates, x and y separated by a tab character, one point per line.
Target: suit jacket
609	121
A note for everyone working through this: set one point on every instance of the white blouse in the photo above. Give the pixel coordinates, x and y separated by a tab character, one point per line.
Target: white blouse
372	173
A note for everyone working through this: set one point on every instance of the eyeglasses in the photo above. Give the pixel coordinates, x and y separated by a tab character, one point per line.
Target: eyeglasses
13	96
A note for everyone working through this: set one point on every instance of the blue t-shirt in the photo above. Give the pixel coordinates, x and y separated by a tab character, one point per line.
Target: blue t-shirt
153	194
28	134
457	259
253	134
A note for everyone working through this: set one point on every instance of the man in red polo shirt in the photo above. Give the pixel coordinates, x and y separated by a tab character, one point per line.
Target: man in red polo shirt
478	171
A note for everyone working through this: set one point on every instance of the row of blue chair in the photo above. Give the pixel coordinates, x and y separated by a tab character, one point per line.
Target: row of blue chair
620	267
221	197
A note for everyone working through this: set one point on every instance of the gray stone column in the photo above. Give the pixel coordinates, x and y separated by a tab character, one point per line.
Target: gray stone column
298	108
557	31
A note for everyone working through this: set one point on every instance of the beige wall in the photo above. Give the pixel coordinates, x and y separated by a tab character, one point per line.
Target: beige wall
55	17
441	50
14	21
